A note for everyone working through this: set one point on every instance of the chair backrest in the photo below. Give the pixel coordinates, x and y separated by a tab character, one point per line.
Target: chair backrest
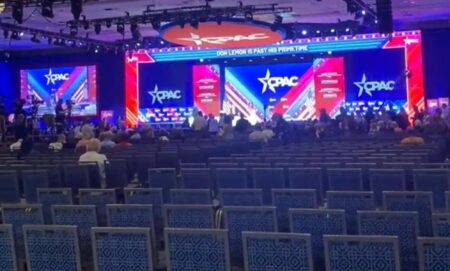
142	163
285	199
76	177
277	251
441	225
189	216
153	196
167	159
434	253
9	187
8	260
32	180
361	253
268	179
99	198
200	249
54	174
345	179
122	249
190	196
18	215
307	178
249	218
240	197
50	196
386	180
231	177
351	202
317	222
116	174
52	247
405	225
196	178
165	178
433	180
421	202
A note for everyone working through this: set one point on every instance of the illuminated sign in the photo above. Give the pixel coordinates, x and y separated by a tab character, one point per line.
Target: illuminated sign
368	87
272	83
161	95
52	78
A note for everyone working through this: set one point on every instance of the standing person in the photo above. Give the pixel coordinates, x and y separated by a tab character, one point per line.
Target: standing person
60	116
213	125
402	119
242	128
199	123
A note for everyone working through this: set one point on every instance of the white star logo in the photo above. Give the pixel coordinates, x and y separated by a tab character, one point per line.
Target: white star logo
361	86
265	82
154	94
50	77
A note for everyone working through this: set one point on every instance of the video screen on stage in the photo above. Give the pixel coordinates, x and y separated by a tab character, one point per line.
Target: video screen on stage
76	85
165	91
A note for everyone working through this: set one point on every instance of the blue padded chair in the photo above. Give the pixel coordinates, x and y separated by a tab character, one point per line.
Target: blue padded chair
76	177
9	187
142	163
268	179
99	198
18	215
122	249
52	248
153	196
196	178
231	177
240	197
165	178
54	173
32	180
386	180
351	202
317	222
285	199
82	216
345	179
307	178
189	216
116	174
50	196
433	180
197	249
277	251
434	254
8	260
190	196
421	202
441	225
404	225
361	253
249	218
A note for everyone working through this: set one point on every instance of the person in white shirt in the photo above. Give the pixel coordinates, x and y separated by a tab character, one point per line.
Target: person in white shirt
59	144
199	123
268	133
92	155
16	145
107	140
257	135
213	125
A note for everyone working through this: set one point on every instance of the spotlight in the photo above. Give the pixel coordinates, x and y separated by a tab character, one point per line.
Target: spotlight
47	8
304	32
35	39
347	30
194	23
156	24
21	34
97	28
17	11
317	31
121	28
76	8
333	30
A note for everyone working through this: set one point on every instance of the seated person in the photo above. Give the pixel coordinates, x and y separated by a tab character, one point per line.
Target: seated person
124	141
16	145
92	155
82	144
412	138
257	135
107	140
59	144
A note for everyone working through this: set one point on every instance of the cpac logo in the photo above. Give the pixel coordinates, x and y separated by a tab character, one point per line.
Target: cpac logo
54	77
161	95
368	87
195	38
272	83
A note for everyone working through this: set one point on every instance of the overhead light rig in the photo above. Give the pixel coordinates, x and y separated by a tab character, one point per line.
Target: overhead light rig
362	11
188	15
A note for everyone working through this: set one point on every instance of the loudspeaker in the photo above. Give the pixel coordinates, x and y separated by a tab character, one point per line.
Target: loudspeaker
384	14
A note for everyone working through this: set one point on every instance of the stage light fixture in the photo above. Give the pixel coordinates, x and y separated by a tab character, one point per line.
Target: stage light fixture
156	24
134	28
35	39
121	28
277	22
248	16
17	11
76	8
97	28
47	8
304	32
194	23
333	30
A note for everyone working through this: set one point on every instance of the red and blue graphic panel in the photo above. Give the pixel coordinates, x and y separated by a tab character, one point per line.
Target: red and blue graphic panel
75	84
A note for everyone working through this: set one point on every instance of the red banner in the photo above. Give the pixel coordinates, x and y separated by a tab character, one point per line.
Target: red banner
206	80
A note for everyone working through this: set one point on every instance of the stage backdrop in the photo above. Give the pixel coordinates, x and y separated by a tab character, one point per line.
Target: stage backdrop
358	72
